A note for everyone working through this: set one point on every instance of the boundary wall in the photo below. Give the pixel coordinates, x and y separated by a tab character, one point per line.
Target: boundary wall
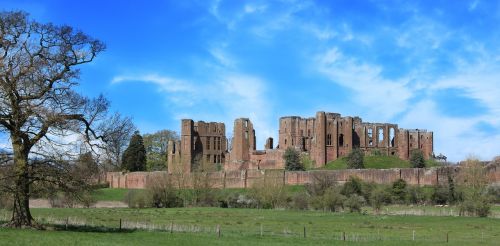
246	178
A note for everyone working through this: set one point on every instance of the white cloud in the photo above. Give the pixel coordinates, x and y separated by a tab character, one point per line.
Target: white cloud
383	97
455	138
238	95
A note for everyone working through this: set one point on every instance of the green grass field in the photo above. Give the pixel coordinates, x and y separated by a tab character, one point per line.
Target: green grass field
196	226
376	162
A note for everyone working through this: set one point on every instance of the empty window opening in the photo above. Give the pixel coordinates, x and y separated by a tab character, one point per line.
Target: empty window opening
285	141
341	140
380	135
292	141
208	142
218	143
246	135
393	153
392	136
411	136
309	132
246	123
304	143
370	136
329	139
215	158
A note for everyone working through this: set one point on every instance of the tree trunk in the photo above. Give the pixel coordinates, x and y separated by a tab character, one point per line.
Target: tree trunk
21	215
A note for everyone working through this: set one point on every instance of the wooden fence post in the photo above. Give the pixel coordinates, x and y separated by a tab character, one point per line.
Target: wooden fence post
120	224
304	232
343	235
218	231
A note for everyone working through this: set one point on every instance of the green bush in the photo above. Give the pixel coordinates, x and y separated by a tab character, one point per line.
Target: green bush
379	197
399	191
352	186
440	195
416	195
417	159
355	159
320	183
292	159
354	203
138	199
493	190
333	200
163	193
300	201
475	206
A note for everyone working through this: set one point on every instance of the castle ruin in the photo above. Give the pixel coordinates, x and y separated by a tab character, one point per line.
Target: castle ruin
325	138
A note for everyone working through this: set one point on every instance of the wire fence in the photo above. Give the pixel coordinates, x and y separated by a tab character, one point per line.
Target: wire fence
263	230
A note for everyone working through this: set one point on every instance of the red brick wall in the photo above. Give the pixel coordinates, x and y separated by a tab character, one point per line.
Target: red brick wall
246	178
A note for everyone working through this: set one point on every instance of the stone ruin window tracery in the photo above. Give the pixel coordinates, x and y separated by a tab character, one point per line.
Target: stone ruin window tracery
208	143
329	139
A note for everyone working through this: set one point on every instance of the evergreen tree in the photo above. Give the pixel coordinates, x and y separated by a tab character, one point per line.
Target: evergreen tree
417	159
134	157
355	159
292	160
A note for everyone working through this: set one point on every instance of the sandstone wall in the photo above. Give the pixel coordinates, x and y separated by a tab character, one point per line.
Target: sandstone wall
246	178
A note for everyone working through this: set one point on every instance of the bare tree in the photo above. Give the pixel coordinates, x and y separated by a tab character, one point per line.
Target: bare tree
117	139
39	109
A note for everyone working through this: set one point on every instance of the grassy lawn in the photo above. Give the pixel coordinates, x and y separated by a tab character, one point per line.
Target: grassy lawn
110	194
243	226
376	162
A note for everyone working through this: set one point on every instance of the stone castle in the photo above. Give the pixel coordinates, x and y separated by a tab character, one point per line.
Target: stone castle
325	138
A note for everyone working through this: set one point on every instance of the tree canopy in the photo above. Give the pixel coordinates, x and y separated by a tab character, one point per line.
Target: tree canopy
355	159
417	159
134	157
39	109
156	145
292	160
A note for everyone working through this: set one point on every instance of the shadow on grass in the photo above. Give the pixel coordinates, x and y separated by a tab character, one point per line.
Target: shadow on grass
87	228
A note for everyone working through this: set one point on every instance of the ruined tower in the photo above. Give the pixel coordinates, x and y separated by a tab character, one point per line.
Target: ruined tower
202	145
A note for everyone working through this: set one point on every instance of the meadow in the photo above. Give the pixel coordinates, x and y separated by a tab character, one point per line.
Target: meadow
198	226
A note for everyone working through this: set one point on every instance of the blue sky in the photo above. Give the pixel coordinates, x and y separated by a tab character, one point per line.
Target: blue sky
427	64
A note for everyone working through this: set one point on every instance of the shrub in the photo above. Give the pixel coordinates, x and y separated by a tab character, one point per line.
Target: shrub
300	201
333	200
440	195
379	197
292	160
269	193
399	190
355	159
162	193
320	183
352	186
416	195
417	159
493	190
354	203
137	199
475	206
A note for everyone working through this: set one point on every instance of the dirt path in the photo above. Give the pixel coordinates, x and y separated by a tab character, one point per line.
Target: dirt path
44	203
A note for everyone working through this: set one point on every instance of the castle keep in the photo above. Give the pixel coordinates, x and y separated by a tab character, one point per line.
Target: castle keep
325	137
